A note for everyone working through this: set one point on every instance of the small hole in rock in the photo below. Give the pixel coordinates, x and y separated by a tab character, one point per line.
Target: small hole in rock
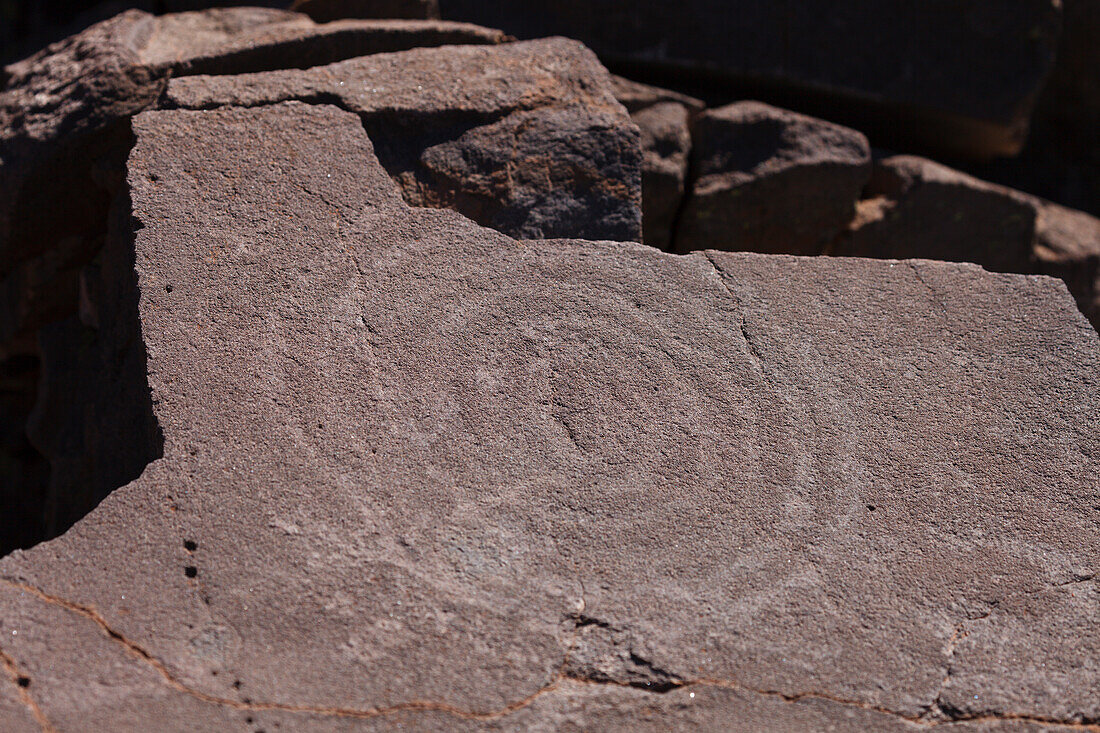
168	288
24	681
190	545
190	571
870	507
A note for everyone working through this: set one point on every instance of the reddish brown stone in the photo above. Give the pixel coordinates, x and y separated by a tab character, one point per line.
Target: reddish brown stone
526	138
770	180
419	474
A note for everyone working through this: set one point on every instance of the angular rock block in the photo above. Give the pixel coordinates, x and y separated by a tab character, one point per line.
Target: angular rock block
915	207
526	138
918	208
417	473
770	180
960	75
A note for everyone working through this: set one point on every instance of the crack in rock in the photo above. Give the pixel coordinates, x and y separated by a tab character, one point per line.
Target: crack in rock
142	655
22	683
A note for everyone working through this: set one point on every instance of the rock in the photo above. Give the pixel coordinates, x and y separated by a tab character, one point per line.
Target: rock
416	473
324	11
526	138
663	117
770	180
954	76
64	137
636	96
918	208
62	110
666	145
1067	245
915	207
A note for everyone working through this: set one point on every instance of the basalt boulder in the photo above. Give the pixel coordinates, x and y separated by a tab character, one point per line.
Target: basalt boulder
770	180
526	138
915	207
417	473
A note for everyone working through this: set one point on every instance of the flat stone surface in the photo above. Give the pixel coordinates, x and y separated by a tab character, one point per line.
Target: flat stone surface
526	138
418	473
769	180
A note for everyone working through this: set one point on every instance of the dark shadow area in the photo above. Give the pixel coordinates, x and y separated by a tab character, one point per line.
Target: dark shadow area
92	419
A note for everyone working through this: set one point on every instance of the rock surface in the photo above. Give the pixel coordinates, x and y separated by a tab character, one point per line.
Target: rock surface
960	75
526	138
770	180
915	207
63	113
918	208
418	473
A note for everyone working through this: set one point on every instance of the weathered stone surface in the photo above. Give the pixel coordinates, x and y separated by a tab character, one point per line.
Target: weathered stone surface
526	138
1067	245
417	473
957	75
63	111
770	180
918	208
324	11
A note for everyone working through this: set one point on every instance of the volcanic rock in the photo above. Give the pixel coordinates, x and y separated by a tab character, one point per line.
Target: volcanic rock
918	208
770	180
416	473
526	138
914	207
957	75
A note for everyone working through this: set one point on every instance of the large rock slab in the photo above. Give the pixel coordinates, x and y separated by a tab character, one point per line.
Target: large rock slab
948	74
418	473
526	138
769	180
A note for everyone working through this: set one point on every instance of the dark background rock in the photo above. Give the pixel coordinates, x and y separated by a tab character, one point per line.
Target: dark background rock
418	473
959	75
769	180
325	10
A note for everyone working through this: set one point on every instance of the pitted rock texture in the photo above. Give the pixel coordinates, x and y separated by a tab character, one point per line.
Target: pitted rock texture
418	473
769	180
526	138
960	75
